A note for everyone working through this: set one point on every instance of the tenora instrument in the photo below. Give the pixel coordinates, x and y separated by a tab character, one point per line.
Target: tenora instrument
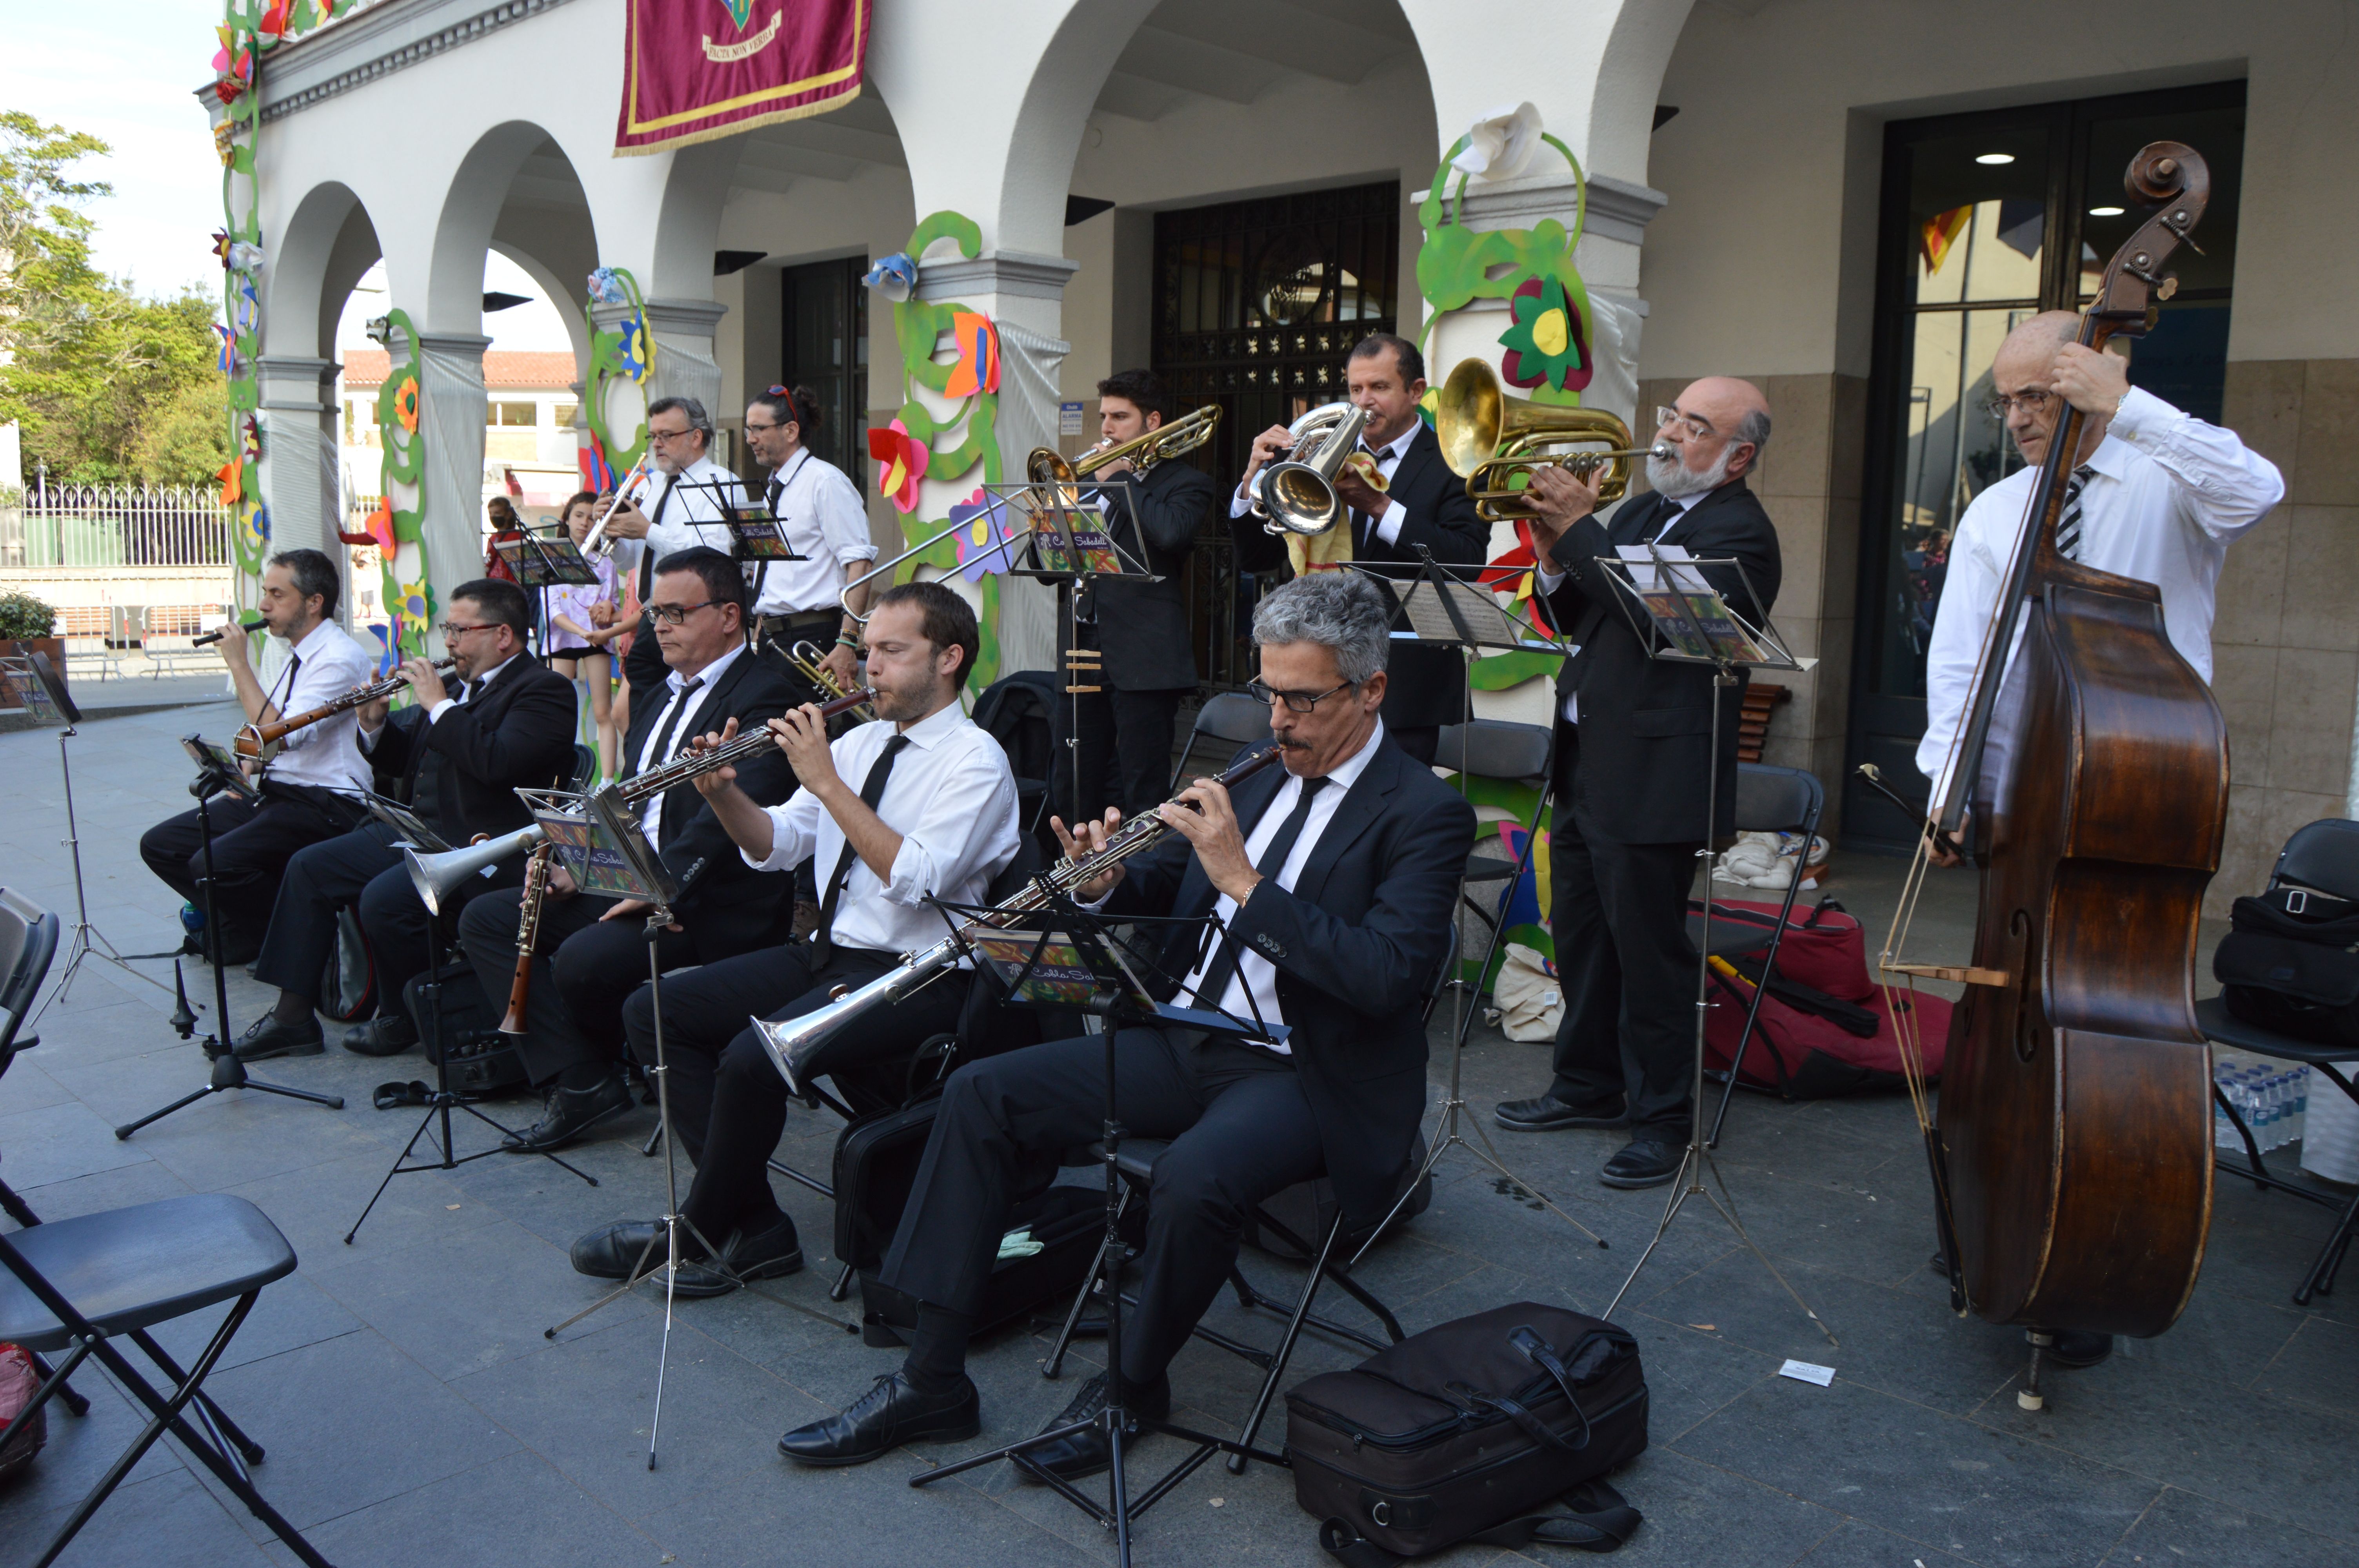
595	545
261	741
794	1043
1297	495
1494	442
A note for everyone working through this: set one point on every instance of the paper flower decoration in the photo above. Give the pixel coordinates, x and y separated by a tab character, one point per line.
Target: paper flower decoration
1511	573
1546	342
377	531
405	404
246	306
233	482
253	519
605	289
900	462
895	278
984	539
416	610
253	440
633	351
275	19
977	368
228	349
385	654
1501	144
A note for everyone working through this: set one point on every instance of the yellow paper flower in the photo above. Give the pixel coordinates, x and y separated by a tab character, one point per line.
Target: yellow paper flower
405	404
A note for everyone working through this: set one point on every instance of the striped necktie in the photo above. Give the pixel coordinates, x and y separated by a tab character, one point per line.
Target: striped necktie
2068	526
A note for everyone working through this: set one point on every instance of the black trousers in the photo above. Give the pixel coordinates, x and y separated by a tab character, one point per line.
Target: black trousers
1625	960
1124	756
363	867
728	1102
252	844
1241	1129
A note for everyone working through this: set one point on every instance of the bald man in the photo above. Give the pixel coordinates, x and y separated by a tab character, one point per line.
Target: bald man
2157	495
1633	762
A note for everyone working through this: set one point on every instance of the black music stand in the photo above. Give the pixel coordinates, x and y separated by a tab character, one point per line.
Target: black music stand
217	772
1679	617
1108	966
46	700
542	560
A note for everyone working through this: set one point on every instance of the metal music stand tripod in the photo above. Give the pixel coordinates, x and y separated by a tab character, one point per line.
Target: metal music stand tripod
45	696
1679	617
217	771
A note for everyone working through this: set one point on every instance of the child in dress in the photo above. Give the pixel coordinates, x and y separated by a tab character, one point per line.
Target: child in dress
582	622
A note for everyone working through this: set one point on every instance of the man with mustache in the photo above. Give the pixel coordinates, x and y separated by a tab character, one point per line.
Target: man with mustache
1632	758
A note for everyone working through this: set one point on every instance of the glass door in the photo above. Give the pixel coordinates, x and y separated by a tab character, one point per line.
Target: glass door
1988	220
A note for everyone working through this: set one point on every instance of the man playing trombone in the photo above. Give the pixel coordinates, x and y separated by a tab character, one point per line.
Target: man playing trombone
920	804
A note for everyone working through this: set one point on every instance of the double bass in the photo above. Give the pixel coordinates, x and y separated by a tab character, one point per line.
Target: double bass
2072	1152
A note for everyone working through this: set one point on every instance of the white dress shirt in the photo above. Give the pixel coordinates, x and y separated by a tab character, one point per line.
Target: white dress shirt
1254	974
1549	581
951	798
689	518
825	519
327	663
651	813
1388	457
469	686
2168	493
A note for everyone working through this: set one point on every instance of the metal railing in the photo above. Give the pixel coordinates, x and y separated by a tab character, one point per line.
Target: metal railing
79	526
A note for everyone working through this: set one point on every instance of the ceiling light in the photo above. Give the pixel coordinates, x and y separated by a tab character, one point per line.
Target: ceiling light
1994	157
2105	212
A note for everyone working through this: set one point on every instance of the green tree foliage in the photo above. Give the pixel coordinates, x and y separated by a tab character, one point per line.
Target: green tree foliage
106	386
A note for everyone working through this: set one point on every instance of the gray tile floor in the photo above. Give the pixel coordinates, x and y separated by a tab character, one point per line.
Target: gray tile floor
414	1413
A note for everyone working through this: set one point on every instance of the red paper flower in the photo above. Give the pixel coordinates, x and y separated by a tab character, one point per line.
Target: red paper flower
900	463
1512	571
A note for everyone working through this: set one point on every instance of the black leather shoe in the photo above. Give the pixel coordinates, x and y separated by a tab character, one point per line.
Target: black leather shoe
569	1114
1643	1163
775	1252
889	1415
269	1038
612	1251
2077	1347
1547	1114
382	1037
1086	1453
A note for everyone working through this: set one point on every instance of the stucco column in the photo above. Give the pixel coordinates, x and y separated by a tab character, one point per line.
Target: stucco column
301	482
452	414
686	364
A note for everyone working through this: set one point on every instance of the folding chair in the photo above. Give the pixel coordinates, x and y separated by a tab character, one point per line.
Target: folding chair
2323	857
28	943
1231	716
1509	757
1768	800
76	1284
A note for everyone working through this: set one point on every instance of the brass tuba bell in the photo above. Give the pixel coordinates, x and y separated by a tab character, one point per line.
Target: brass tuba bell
1489	439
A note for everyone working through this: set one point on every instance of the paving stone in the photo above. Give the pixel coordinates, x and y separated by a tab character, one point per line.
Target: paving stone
517	1511
60	1142
2319	1366
1697	1513
1857	1545
165	1519
80	1450
2182	1528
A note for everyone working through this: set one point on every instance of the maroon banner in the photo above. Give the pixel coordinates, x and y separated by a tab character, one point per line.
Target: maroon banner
694	70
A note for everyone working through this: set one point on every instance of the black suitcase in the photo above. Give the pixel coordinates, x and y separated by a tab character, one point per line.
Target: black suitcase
1461	1432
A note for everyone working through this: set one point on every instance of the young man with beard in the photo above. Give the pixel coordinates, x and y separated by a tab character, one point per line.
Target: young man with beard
1632	758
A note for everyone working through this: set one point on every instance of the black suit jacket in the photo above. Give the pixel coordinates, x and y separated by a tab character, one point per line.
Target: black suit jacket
1143	626
728	899
1355	945
516	733
1646	724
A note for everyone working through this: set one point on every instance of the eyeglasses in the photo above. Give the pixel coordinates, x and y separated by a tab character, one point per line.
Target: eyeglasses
1689	426
674	614
2032	403
660	436
753	429
451	629
1296	702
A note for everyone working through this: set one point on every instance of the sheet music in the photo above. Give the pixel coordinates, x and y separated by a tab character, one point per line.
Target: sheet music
1486	620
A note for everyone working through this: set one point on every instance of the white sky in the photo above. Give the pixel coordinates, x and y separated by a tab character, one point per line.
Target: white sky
133	82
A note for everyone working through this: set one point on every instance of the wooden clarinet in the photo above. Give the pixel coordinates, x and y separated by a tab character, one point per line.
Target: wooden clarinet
535	888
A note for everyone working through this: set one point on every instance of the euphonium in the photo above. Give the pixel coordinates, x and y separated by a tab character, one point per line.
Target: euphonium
793	1044
1297	495
1488	438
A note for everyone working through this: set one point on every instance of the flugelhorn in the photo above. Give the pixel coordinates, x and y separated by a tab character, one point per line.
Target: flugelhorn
1489	439
794	1043
811	665
1296	494
434	876
261	741
1169	439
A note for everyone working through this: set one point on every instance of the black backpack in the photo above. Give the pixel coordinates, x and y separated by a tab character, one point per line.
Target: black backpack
1461	1432
2290	964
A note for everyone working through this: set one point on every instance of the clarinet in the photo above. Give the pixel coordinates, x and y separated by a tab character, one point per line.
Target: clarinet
535	888
259	739
643	787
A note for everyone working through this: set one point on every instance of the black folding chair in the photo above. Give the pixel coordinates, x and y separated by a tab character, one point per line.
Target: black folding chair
1768	800
2322	857
28	942
1230	716
585	768
76	1284
1501	751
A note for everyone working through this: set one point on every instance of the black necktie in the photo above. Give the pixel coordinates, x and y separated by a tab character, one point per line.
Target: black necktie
1272	860
872	790
2068	526
688	690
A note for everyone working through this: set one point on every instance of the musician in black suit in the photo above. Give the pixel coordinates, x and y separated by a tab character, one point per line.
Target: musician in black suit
1139	628
503	721
1423	505
1632	758
1335	877
593	949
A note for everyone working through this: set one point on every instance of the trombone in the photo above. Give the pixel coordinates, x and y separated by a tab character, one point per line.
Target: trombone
1492	440
1047	466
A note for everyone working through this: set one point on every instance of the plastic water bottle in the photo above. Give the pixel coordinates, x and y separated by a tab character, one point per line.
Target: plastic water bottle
2299	1096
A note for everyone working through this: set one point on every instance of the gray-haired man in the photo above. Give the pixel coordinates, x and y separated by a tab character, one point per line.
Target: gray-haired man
1334	877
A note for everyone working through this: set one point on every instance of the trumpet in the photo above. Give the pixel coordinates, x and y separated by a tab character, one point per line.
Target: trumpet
810	664
261	741
1185	434
794	1043
1491	440
1298	494
595	545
